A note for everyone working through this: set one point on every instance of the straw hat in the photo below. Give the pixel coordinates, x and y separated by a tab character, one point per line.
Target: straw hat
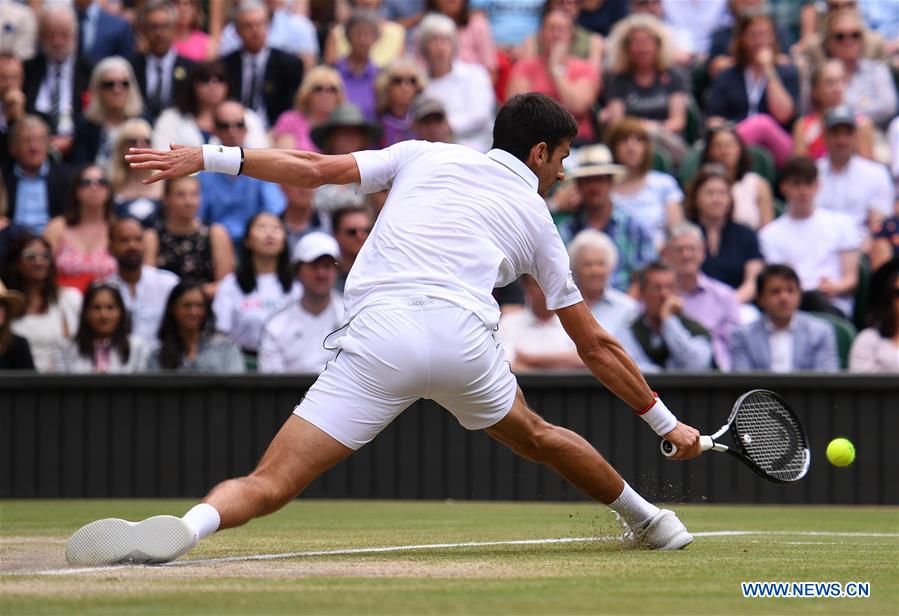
593	160
15	302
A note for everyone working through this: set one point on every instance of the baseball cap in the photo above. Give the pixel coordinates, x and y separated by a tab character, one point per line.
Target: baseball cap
314	245
595	160
841	115
425	106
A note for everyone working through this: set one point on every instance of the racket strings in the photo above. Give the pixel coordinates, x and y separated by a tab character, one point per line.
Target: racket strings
771	437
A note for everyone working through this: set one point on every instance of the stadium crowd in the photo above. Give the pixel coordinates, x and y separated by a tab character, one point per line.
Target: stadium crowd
730	202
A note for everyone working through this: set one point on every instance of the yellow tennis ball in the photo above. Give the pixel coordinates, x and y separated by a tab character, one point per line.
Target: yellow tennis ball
840	452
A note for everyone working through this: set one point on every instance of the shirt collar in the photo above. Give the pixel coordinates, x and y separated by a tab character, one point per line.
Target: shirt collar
93	11
42	172
514	165
769	325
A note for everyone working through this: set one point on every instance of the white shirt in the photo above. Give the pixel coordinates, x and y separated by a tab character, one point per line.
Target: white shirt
861	187
523	331
241	315
780	344
293	339
168	66
456	224
615	310
699	17
146	303
469	116
45	331
44	102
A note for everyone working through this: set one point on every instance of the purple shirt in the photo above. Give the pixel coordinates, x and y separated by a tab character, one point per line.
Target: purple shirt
396	129
714	305
360	88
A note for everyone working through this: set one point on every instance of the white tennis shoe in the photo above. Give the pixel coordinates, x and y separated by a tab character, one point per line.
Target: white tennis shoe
159	539
664	532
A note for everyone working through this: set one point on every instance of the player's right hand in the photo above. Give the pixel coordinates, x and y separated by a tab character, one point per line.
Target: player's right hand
686	439
178	162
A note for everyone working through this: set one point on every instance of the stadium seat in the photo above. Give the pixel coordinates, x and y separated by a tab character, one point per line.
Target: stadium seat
693	129
763	163
662	162
690	165
845	332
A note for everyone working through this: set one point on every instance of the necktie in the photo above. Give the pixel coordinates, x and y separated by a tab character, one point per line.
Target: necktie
156	100
55	95
250	98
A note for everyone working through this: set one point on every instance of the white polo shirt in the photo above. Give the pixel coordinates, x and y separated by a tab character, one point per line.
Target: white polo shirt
861	187
146	303
457	223
241	315
293	338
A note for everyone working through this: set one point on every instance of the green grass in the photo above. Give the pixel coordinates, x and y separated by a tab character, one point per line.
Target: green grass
572	578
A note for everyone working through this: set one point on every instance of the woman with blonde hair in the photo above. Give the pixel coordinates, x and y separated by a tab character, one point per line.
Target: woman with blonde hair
642	84
133	198
114	99
320	93
395	89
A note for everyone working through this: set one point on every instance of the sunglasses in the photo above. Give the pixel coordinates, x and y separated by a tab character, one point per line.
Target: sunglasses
412	81
32	255
112	83
229	125
211	79
848	36
357	231
85	182
328	89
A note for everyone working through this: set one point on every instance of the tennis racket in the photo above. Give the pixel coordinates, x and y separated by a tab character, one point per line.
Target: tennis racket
769	438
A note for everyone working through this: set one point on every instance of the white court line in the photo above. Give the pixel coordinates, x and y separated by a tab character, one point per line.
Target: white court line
437	546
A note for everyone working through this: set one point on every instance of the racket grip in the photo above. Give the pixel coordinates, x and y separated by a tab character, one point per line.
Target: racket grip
669	448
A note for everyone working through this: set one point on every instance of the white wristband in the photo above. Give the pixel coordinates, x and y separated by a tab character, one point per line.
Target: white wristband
222	159
659	418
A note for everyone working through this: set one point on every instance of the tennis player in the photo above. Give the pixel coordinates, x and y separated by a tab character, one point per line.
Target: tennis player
421	319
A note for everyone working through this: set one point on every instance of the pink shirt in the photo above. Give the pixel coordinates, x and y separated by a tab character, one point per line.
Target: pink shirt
295	124
539	80
476	42
195	47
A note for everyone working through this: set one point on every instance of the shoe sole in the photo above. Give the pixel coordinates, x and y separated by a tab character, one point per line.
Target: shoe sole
158	539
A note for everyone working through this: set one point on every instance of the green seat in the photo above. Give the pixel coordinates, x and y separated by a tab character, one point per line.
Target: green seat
693	128
690	164
862	293
662	162
845	332
763	163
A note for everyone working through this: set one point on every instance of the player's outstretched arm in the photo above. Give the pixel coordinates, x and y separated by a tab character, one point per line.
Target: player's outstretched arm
609	362
306	169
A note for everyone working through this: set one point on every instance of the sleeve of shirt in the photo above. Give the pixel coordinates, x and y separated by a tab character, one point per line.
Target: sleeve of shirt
479	110
739	351
882	191
688	351
270	357
671	192
826	358
862	354
677	83
752	245
550	268
223	304
790	78
882	93
377	168
636	352
850	236
272	198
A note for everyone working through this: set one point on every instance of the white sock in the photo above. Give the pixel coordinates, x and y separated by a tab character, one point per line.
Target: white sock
635	509
203	519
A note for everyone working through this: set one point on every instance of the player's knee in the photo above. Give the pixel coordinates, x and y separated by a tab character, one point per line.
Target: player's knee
540	444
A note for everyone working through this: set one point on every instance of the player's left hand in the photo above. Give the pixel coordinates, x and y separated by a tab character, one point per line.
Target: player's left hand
179	162
686	439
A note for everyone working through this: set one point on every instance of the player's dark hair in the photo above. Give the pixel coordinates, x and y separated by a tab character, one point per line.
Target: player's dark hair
171	344
775	270
528	119
85	337
246	271
799	169
651	268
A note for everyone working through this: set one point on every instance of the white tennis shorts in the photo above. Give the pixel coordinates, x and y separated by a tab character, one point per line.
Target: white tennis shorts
391	356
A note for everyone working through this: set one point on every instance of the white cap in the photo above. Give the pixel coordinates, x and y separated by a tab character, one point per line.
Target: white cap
314	245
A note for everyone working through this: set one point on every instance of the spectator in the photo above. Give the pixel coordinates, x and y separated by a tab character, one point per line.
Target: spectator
12	99
356	69
133	198
190	41
351	228
511	23
187	338
183	245
600	15
192	120
732	254
263	78
15	354
143	287
870	89
651	197
585	44
476	44
114	99
100	33
593	258
19	27
319	95
828	264
683	46
876	349
701	18
36	186
711	303
387	44
596	210
103	344
429	121
470	116
56	78
783	339
51	312
231	200
80	237
295	338
661	338
555	72
533	338
828	85
161	72
758	92
644	86
798	18
261	286
289	31
851	184
299	217
722	38
873	44
885	244
395	89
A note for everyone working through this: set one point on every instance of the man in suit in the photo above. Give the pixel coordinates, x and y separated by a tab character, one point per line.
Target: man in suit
263	78
161	73
56	79
37	188
102	34
783	339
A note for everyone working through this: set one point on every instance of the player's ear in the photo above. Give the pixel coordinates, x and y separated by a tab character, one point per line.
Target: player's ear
539	154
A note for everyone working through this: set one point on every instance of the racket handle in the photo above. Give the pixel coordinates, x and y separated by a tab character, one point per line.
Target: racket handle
669	448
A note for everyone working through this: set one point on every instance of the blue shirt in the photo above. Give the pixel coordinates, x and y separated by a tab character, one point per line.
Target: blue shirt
32	199
232	200
737	245
615	311
511	21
